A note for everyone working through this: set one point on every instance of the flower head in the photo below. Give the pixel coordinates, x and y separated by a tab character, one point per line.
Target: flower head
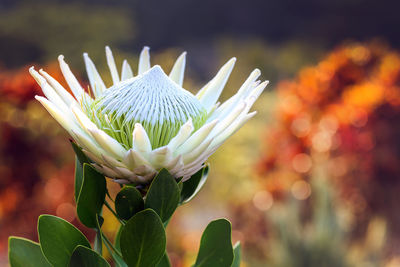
147	122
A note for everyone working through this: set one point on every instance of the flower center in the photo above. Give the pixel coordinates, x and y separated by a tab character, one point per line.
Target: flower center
151	99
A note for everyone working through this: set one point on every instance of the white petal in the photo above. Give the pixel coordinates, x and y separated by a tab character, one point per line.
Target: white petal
122	181
141	141
108	143
134	159
93	157
176	165
184	132
64	94
88	143
190	171
236	125
124	172
106	171
214	89
160	157
112	162
144	60
126	72
178	69
254	94
73	83
112	66
66	122
198	137
225	122
145	171
201	158
50	93
197	151
228	105
82	119
96	83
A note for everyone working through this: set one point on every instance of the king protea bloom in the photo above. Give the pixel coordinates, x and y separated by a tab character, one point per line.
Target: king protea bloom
147	122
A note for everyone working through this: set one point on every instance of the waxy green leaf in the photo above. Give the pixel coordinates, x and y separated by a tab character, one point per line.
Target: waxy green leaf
128	202
58	239
192	186
25	253
91	196
236	252
85	257
80	159
164	262
163	195
143	239
215	245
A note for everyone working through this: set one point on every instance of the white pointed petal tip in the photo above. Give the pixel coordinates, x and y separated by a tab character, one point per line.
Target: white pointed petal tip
141	140
144	60
209	95
39	79
178	70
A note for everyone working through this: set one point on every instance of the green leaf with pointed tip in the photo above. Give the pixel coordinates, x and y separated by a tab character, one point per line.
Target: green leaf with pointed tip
91	196
80	159
164	262
78	178
58	239
143	239
163	195
85	257
25	253
192	186
236	252
215	245
128	202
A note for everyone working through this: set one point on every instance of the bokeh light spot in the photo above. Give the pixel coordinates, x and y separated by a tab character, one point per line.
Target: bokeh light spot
66	211
301	190
302	163
263	200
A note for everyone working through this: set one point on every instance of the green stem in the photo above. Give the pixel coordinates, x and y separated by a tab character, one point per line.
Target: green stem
113	212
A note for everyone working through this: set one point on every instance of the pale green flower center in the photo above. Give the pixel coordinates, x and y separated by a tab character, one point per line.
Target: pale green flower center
151	99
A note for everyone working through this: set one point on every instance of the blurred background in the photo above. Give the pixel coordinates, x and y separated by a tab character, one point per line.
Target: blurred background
312	180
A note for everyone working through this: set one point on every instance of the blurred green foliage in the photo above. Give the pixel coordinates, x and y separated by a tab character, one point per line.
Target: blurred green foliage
70	29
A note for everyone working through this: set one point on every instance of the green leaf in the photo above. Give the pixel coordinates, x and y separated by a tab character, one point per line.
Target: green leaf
25	253
117	242
163	195
98	241
216	246
85	257
78	178
58	239
143	239
164	261
192	186
82	158
91	197
128	202
236	252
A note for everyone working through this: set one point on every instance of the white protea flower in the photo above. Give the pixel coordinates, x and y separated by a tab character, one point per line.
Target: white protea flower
147	122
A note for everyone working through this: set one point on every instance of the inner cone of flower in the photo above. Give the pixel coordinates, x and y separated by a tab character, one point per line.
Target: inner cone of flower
147	122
